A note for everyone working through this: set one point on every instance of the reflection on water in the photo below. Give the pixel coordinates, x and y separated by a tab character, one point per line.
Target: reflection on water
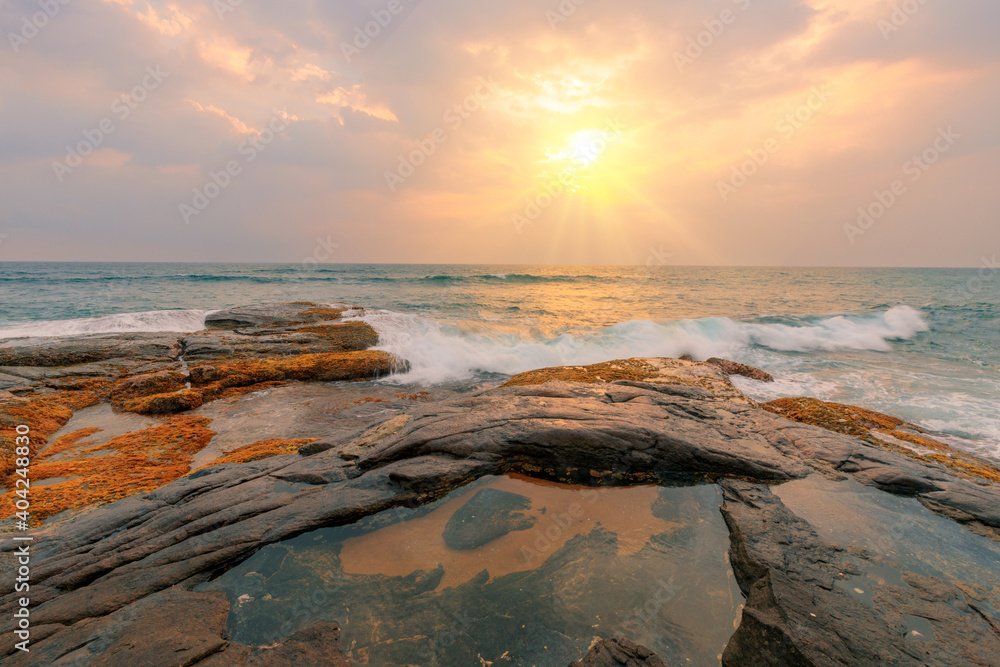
507	571
901	531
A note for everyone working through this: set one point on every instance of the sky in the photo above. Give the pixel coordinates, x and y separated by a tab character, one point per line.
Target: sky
719	132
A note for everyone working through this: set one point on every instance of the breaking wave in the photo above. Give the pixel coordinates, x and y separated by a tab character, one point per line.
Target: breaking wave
440	352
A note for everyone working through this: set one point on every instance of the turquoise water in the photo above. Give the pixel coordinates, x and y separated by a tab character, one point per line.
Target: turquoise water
923	344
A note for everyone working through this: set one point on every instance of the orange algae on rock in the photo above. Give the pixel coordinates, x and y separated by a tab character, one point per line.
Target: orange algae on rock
133	463
164	404
263	449
609	371
213	378
70	441
847	419
868	425
321	313
42	416
146	384
346	336
654	370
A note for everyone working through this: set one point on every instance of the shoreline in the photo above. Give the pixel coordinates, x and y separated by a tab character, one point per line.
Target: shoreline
346	451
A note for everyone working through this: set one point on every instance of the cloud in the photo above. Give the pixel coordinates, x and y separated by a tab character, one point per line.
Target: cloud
699	88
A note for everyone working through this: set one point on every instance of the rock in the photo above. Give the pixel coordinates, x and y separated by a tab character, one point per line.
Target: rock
149	374
177	627
317	447
316	646
147	384
172	627
619	652
795	614
275	342
642	421
661	371
267	314
165	404
734	368
217	379
87	349
490	514
886	432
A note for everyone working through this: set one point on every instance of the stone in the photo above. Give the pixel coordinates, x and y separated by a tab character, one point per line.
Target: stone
619	652
316	646
165	404
627	422
734	368
266	314
490	514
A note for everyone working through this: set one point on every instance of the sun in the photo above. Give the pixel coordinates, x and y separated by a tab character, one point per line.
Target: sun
586	146
582	149
575	163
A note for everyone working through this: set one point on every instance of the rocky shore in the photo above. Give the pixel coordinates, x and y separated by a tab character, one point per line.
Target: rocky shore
161	462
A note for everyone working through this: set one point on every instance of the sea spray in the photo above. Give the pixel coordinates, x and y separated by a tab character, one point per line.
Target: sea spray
441	351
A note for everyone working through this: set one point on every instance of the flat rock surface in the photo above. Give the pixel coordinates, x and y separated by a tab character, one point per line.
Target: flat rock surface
687	428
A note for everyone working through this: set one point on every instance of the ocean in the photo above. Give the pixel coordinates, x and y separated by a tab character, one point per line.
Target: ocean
921	344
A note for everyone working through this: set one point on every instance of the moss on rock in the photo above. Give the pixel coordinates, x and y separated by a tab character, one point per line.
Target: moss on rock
263	449
147	384
43	416
133	463
654	370
165	404
896	434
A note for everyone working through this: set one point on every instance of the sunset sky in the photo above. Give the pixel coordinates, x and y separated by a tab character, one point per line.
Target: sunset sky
505	131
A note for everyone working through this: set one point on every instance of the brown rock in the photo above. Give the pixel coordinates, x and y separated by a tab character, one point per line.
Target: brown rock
316	646
171	628
704	380
619	652
165	404
162	382
734	368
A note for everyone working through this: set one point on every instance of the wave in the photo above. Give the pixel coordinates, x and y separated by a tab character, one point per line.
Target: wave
172	278
440	352
181	321
485	278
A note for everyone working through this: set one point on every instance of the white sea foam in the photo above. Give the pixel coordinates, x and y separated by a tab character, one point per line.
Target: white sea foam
440	352
157	320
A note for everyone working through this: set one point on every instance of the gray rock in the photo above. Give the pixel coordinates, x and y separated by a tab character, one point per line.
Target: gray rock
86	349
89	569
795	614
619	652
264	314
490	514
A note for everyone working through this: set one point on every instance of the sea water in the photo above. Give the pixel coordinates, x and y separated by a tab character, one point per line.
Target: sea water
921	344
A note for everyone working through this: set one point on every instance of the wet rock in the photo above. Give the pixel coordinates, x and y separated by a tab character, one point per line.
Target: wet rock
266	314
211	345
619	652
490	514
317	646
165	404
734	368
213	380
173	627
642	421
885	432
147	384
796	613
659	370
52	352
